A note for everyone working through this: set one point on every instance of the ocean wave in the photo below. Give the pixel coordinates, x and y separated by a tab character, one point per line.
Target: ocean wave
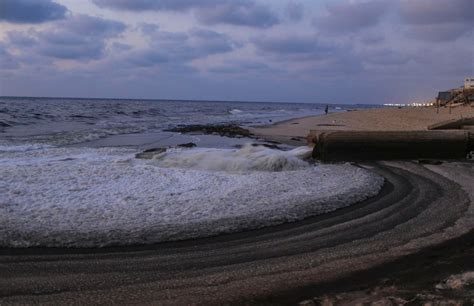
78	197
235	111
23	147
248	158
75	136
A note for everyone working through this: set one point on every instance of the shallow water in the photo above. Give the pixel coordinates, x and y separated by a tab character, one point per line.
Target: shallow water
84	122
70	177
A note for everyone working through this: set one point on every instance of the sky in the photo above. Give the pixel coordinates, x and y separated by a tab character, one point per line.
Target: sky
322	51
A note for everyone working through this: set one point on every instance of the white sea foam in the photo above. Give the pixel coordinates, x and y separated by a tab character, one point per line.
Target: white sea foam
77	197
23	147
235	111
247	158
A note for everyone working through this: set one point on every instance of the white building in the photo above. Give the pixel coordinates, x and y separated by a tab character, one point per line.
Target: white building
469	83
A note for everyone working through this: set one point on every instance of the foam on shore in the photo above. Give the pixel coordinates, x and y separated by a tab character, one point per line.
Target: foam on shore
247	158
78	197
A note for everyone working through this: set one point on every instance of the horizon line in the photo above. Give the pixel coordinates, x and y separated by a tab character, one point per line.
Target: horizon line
182	100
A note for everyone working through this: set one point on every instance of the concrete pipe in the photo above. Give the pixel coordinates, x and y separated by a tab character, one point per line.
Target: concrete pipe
360	145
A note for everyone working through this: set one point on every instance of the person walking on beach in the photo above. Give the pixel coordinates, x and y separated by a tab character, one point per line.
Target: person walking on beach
326	110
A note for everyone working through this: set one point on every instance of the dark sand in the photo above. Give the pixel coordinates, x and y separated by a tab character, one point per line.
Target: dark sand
422	214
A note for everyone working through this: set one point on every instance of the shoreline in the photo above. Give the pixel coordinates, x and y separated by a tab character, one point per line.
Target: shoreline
403	280
374	119
259	266
369	251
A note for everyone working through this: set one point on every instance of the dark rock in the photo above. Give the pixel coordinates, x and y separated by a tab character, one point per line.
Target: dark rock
155	150
430	162
272	141
228	130
149	153
4	124
266	145
187	145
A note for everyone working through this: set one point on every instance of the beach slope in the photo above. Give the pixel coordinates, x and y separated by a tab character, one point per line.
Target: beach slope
377	119
409	240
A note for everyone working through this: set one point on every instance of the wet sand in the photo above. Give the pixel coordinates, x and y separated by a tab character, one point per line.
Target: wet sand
418	231
421	206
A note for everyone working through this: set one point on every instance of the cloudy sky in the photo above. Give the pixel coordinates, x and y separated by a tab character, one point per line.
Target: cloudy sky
328	51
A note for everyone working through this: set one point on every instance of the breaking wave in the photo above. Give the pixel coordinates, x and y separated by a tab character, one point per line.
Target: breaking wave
248	158
23	147
235	111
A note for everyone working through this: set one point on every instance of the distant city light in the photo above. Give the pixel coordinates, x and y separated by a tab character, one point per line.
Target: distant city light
410	104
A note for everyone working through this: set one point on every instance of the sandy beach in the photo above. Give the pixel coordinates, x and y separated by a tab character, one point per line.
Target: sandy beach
246	152
406	243
377	119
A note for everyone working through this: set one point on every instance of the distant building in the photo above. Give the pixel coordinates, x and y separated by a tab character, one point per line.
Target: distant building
457	96
444	97
469	83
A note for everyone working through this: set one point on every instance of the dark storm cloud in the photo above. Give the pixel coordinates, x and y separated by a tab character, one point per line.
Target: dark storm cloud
445	21
121	47
78	37
209	42
325	58
85	25
373	38
7	60
293	45
148	28
365	44
21	39
156	5
234	12
181	47
385	57
241	67
295	10
454	59
30	11
351	16
65	45
438	32
148	57
441	11
244	13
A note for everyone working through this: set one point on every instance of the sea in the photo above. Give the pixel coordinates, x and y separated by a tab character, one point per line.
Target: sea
70	176
33	123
